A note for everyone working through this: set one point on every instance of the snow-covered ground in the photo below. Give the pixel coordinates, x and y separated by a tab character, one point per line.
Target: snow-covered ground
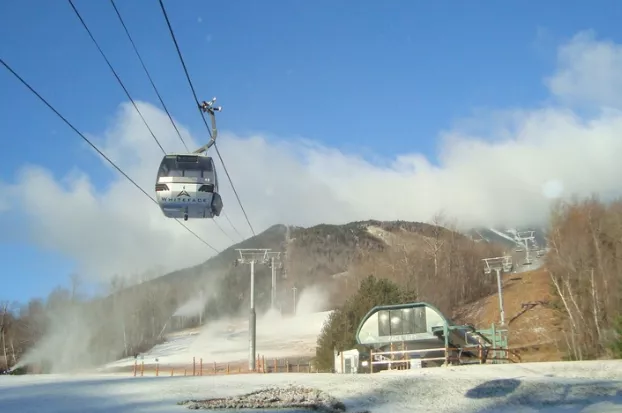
277	337
568	387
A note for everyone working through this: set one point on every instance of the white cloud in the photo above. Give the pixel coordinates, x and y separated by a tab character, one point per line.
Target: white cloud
504	173
589	71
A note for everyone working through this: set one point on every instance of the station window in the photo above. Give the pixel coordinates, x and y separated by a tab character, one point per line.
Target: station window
402	321
384	323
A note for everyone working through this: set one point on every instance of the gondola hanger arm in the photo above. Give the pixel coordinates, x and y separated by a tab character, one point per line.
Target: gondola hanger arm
208	107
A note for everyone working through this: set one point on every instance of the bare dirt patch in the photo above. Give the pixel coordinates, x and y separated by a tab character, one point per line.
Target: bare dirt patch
534	327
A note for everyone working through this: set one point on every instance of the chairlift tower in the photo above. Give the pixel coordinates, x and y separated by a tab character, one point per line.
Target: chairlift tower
499	264
252	256
524	237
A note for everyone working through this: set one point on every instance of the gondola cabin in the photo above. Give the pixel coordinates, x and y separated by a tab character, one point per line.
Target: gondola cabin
187	187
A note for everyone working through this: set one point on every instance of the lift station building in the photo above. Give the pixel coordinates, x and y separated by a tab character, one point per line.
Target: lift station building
416	335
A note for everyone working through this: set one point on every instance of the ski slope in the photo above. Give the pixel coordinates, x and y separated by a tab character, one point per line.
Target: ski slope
564	387
503	235
227	341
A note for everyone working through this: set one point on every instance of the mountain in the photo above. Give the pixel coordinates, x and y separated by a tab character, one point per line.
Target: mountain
319	255
309	256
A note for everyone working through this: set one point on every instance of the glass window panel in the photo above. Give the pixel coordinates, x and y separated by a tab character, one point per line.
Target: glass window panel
384	324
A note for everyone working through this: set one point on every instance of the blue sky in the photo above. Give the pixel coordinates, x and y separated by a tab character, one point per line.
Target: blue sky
377	78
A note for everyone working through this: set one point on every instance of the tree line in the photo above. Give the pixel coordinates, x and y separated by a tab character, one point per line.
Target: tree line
584	265
68	330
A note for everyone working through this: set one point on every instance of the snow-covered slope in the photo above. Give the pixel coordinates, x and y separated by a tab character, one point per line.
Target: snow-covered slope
224	341
504	236
568	387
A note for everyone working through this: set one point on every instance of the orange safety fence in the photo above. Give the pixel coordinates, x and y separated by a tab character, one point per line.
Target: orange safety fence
200	368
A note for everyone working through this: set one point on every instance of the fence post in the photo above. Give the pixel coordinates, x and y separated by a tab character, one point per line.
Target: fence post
201	366
371	361
157	369
135	367
276	366
194	366
142	368
263	364
172	371
227	368
287	365
298	366
215	369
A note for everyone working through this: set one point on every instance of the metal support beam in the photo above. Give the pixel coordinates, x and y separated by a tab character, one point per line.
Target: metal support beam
500	292
252	324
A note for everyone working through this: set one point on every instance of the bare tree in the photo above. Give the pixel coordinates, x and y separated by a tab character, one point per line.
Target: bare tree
4	331
584	267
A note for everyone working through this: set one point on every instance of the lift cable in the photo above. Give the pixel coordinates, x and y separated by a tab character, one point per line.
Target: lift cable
127	32
92	145
115	75
155	89
170	28
232	226
223	231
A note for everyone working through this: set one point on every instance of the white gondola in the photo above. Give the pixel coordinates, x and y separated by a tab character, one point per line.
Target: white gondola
187	184
187	187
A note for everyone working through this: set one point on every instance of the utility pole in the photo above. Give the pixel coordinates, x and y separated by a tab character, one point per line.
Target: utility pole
252	257
499	264
275	263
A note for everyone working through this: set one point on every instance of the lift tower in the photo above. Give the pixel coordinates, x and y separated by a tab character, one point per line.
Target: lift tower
524	237
252	256
274	264
499	264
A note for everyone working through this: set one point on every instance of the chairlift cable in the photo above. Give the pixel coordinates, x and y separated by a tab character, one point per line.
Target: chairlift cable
223	231
148	75
115	74
232	226
92	145
198	103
